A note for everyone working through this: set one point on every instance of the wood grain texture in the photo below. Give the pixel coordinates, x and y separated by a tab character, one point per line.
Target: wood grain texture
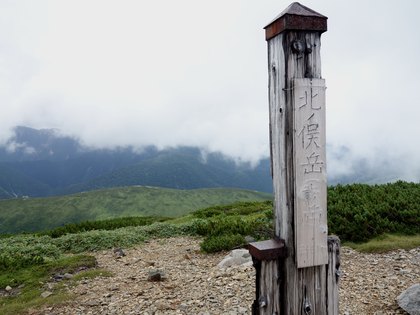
305	285
269	303
333	274
310	172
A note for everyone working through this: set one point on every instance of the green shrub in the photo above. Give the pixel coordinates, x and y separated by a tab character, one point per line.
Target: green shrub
163	230
26	250
223	224
110	224
225	232
97	240
218	243
238	208
360	212
123	237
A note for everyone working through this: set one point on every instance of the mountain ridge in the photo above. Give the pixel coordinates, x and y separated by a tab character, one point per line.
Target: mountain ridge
41	163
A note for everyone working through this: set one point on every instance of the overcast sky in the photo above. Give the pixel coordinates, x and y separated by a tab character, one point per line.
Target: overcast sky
194	72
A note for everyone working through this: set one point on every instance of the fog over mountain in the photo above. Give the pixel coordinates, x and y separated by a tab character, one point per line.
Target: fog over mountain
45	162
194	74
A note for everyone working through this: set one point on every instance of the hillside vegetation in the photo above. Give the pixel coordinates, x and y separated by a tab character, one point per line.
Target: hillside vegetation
36	214
387	215
225	227
359	212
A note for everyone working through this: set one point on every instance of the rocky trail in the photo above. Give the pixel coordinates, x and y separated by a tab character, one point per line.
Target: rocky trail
193	284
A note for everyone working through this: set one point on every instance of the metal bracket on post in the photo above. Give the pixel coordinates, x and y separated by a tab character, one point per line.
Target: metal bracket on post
268	250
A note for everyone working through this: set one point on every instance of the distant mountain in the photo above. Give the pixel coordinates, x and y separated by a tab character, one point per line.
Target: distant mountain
30	144
39	163
14	183
184	168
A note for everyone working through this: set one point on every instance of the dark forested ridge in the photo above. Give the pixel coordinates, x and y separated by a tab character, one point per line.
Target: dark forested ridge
39	163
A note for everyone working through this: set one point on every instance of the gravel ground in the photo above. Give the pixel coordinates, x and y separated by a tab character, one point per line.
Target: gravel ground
193	284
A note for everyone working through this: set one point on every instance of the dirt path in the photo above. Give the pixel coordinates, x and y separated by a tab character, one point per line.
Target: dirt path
194	284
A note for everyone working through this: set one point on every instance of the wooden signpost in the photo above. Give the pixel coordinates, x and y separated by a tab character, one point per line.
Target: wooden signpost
298	271
310	175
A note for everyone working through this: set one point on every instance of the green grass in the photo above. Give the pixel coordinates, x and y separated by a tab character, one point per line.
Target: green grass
32	279
37	214
386	242
31	259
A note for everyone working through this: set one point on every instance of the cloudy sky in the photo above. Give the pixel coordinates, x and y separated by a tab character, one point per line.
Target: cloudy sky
194	72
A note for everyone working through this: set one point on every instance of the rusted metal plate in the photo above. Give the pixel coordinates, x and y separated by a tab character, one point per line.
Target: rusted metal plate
296	17
267	250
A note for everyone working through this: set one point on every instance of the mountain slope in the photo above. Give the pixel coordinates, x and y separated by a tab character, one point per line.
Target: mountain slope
14	183
46	164
24	215
183	170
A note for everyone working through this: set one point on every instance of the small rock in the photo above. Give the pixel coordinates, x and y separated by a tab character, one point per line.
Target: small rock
8	288
58	277
399	257
183	307
119	252
82	268
156	275
50	286
92	303
67	276
162	305
409	300
236	257
240	276
46	294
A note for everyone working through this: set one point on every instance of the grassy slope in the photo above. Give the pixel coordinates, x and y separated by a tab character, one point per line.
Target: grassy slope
46	213
222	227
387	242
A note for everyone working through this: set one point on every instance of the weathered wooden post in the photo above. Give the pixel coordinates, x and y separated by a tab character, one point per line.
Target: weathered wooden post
297	273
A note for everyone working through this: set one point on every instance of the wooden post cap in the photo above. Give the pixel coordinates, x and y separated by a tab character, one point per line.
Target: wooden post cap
296	17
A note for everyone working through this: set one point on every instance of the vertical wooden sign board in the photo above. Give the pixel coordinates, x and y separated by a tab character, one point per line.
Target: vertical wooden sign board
308	276
297	273
311	229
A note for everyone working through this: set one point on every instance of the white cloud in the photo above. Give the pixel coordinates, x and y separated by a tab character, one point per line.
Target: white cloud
194	73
